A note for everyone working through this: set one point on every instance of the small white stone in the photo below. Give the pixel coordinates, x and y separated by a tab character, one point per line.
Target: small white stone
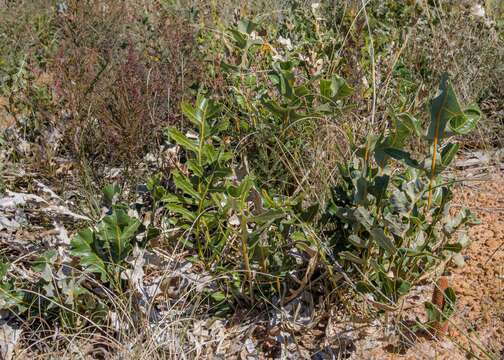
233	220
478	10
286	42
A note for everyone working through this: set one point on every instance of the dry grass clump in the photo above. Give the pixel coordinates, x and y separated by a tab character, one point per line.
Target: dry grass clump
95	82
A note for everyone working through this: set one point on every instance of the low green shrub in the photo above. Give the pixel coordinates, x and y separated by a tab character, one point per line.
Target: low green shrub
386	225
54	291
391	225
235	227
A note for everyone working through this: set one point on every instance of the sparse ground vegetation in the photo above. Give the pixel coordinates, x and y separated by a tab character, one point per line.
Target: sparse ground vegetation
269	179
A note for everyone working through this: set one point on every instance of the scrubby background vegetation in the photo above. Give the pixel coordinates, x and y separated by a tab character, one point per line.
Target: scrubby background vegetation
195	179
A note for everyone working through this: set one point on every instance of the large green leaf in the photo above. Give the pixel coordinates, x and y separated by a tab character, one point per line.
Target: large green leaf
361	190
209	154
183	140
383	240
444	108
433	313
448	154
410	122
279	110
403	156
82	246
402	286
269	215
196	168
242	191
203	110
239	38
182	211
379	187
441	315
109	192
404	126
47	257
363	216
452	223
399	202
246	26
450	299
183	183
190	112
465	123
335	88
116	233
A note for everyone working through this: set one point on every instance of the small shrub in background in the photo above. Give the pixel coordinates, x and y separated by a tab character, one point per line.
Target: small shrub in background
121	71
93	82
28	39
277	101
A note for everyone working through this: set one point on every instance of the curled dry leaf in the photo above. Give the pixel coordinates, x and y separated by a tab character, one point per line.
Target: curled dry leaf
9	338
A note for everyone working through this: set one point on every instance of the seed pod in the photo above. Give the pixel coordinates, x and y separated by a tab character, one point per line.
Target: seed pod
438	299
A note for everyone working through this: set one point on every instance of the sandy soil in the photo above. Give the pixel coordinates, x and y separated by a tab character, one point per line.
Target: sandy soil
480	284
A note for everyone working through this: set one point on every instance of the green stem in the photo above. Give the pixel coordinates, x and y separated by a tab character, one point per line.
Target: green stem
200	210
244	250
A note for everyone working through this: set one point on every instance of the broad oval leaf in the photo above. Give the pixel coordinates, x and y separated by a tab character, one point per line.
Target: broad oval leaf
466	122
403	156
82	247
334	88
448	154
443	108
190	112
183	183
182	140
195	167
246	26
182	211
383	240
